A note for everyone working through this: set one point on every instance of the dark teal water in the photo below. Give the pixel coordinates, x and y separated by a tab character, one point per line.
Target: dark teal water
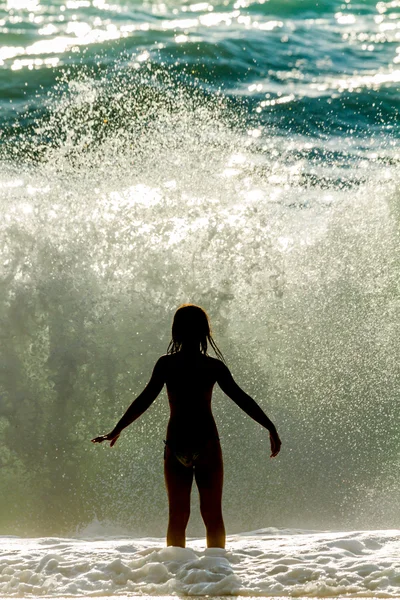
325	69
240	155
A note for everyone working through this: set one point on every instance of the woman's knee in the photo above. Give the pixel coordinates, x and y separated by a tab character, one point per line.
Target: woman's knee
212	517
179	518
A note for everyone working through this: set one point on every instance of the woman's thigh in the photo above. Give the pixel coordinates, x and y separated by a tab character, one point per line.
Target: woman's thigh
178	481
209	475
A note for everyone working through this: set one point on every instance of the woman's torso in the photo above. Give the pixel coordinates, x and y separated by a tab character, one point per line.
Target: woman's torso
190	378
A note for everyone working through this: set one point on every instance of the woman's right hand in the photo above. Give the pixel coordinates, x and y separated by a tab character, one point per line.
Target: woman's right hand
275	443
108	437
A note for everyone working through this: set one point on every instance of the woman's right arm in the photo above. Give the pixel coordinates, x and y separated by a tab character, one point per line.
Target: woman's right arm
229	386
139	405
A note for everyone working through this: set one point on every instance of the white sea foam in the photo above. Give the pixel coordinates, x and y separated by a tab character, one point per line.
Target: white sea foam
268	562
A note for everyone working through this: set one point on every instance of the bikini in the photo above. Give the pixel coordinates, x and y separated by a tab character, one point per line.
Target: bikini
186	457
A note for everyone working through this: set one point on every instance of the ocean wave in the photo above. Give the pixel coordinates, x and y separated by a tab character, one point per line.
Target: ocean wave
197	159
293	53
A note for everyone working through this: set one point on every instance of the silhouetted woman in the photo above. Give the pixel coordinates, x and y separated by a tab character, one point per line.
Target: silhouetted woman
192	446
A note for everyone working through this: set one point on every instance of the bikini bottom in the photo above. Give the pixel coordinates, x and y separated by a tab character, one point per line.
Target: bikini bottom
186	457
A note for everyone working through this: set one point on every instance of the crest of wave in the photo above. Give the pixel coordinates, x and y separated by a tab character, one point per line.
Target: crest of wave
132	193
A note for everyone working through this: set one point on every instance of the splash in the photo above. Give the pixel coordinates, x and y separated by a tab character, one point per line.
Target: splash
132	192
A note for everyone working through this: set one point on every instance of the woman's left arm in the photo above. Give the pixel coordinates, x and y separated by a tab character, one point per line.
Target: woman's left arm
229	386
139	405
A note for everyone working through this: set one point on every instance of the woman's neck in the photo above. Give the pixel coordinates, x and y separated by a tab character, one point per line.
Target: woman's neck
190	348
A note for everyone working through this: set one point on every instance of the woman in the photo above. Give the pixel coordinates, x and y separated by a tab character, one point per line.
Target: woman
192	446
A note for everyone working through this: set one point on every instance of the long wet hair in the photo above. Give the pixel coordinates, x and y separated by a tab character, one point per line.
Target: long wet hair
191	322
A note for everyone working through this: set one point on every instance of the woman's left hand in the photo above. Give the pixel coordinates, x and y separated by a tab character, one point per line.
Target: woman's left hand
275	443
108	437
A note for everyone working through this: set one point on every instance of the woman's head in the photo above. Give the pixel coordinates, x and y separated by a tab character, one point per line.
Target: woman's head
191	327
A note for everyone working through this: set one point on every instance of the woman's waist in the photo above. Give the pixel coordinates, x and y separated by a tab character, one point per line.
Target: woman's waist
188	436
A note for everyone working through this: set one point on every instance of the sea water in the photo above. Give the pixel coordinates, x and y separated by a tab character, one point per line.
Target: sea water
242	155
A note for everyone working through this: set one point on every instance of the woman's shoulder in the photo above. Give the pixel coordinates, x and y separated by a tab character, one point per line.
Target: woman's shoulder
216	364
168	360
164	359
162	363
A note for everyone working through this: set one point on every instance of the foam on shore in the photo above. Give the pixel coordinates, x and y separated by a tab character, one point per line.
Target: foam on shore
268	562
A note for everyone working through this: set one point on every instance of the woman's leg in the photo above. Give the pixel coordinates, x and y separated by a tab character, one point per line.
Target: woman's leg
209	474
178	481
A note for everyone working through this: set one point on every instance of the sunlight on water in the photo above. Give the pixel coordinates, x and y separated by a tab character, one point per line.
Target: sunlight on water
242	155
108	234
23	4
